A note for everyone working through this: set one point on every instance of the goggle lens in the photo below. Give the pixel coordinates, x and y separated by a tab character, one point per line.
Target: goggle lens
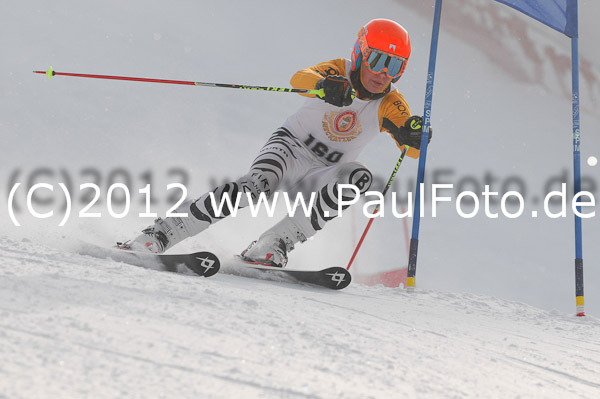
379	61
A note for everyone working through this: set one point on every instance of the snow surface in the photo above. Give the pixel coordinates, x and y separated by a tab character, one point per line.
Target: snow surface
73	326
493	312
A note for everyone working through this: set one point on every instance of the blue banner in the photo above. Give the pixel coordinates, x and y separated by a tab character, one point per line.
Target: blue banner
557	14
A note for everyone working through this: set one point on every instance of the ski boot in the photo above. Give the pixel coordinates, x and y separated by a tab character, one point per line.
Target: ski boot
272	247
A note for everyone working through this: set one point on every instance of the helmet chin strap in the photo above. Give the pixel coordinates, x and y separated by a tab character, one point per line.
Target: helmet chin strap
361	91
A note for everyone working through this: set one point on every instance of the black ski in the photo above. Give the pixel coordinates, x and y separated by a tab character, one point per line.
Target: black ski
204	263
335	278
207	264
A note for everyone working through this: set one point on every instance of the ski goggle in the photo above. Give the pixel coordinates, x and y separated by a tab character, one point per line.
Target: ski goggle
379	61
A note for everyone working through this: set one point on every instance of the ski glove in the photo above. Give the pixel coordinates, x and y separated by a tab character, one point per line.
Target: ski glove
410	133
337	90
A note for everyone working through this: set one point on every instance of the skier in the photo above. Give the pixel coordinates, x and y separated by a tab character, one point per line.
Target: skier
317	146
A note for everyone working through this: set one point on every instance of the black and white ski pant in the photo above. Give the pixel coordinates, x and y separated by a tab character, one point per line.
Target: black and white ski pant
284	163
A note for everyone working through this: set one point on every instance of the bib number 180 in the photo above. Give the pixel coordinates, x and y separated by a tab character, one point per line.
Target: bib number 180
321	150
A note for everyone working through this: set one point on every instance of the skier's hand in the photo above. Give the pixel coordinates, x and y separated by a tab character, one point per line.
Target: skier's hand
337	90
410	133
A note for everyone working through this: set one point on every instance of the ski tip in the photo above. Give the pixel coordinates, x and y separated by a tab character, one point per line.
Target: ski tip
338	277
205	264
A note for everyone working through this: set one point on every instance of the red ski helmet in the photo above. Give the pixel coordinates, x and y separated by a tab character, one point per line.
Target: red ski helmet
382	46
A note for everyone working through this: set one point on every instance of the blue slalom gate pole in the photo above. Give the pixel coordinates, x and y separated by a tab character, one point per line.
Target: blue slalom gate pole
577	172
414	241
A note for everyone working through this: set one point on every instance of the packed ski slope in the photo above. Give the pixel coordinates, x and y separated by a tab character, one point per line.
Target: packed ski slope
73	326
493	312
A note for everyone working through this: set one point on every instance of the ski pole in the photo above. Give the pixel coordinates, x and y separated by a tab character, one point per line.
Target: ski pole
388	185
50	73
